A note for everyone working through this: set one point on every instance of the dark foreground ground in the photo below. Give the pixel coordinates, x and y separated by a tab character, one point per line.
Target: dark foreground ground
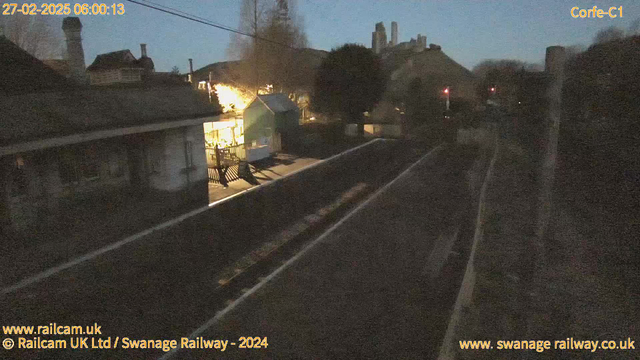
116	215
167	285
584	287
377	287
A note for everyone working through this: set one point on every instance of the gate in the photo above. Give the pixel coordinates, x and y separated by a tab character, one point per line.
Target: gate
225	162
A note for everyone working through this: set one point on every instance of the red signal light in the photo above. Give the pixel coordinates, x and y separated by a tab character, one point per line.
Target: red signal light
446	91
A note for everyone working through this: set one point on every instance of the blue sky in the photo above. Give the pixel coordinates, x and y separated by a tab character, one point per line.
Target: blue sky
468	31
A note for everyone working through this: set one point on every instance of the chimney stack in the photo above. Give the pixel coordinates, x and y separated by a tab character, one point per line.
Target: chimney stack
143	50
190	70
394	33
72	28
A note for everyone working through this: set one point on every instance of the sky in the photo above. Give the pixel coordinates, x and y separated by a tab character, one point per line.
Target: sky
468	31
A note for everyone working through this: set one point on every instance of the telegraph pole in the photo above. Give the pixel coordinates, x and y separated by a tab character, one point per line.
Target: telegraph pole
554	67
255	45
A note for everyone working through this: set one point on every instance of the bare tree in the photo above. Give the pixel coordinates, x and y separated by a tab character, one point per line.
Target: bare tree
270	56
40	36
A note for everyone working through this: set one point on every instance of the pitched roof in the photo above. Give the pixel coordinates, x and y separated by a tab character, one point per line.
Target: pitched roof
115	60
38	116
22	73
59	65
277	103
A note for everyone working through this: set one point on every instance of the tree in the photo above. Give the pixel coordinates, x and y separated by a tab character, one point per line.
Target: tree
175	70
499	80
40	36
424	100
271	58
503	76
603	83
349	82
609	34
572	51
416	101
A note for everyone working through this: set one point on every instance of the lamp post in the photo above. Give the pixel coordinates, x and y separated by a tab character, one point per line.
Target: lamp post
446	92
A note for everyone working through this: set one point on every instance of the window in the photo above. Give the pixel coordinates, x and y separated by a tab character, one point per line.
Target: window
188	152
154	158
104	77
89	163
78	163
67	167
19	183
130	75
117	164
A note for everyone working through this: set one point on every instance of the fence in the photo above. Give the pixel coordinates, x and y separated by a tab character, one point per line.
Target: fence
375	130
224	162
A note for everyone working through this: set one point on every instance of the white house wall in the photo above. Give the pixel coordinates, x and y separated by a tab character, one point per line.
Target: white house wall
45	189
168	161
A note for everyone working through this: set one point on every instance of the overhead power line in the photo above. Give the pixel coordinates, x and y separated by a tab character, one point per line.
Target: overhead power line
191	17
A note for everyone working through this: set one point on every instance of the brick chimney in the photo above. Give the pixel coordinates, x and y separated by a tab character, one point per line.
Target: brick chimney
143	50
72	28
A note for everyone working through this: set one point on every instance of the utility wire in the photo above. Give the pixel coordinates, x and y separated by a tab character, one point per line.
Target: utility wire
187	14
204	21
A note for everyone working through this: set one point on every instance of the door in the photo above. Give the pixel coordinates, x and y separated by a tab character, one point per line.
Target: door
136	157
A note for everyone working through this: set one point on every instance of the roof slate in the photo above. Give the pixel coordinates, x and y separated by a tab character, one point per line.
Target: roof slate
37	116
22	73
115	60
277	103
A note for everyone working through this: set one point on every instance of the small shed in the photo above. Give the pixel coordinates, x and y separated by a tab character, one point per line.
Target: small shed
267	117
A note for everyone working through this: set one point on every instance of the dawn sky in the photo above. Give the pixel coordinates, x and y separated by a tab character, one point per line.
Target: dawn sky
468	31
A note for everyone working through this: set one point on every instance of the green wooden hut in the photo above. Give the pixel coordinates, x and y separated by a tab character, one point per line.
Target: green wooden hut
269	116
